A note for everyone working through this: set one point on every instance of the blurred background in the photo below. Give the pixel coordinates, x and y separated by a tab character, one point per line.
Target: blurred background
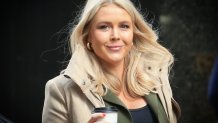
34	46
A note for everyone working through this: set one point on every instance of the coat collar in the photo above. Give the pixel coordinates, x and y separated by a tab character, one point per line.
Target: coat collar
77	71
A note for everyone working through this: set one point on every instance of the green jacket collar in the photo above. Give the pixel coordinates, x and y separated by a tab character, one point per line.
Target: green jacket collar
158	109
152	99
110	97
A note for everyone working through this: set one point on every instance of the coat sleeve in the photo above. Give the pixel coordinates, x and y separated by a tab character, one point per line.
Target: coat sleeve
54	109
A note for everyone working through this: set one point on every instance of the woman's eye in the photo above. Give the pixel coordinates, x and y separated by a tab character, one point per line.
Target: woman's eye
125	26
103	27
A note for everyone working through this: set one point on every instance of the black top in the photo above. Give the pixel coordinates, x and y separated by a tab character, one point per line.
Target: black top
143	115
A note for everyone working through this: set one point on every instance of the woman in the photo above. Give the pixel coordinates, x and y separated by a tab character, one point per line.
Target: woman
116	61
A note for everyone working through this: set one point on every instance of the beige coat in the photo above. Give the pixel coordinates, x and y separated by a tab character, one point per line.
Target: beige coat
69	97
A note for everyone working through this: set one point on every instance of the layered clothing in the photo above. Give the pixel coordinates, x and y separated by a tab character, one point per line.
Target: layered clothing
70	98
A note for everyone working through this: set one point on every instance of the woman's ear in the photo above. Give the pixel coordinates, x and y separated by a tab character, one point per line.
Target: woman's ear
89	37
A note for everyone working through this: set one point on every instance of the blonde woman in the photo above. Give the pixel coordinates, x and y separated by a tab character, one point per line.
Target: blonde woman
116	61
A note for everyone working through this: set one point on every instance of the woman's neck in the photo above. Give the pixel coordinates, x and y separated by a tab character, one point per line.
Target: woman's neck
116	69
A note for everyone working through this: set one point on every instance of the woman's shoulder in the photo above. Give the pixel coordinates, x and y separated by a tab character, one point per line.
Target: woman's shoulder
60	82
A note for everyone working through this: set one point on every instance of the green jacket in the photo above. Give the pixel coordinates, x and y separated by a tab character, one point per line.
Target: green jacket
123	113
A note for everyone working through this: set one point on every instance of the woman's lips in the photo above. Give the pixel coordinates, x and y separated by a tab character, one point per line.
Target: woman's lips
114	47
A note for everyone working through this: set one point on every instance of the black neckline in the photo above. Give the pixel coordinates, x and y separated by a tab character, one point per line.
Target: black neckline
138	109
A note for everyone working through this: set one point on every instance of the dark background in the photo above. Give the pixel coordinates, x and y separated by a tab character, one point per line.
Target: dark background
33	45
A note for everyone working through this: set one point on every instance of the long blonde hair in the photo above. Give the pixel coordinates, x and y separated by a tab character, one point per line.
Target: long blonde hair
146	51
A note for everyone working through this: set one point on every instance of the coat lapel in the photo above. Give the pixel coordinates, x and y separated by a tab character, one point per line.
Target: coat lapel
110	97
152	99
157	107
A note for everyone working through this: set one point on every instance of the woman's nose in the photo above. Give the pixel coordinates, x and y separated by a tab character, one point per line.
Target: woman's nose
115	35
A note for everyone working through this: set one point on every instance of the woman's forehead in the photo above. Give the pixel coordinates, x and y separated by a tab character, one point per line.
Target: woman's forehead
111	12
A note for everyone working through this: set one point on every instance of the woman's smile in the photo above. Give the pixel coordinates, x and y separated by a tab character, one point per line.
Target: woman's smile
114	48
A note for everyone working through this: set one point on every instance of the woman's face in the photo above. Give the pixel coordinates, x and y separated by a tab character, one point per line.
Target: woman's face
111	34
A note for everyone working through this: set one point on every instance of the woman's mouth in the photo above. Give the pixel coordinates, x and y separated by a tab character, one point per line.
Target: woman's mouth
114	47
